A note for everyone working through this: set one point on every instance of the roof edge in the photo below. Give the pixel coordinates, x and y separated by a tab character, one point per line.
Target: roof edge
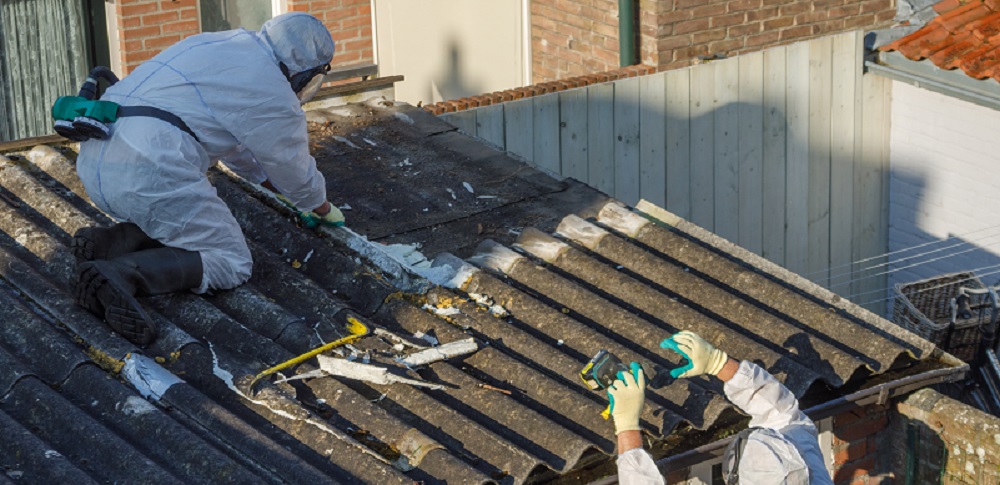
924	74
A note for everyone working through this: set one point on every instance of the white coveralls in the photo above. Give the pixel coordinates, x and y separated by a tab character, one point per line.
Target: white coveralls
229	89
788	437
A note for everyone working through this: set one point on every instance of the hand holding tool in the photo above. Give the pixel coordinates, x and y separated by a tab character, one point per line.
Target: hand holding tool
703	357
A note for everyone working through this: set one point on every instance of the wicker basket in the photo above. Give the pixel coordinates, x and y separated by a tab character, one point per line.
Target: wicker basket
923	307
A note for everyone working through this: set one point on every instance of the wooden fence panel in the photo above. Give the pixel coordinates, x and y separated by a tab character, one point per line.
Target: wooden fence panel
845	126
546	127
573	133
751	151
652	139
678	144
783	151
489	124
727	149
600	137
703	146
627	141
774	166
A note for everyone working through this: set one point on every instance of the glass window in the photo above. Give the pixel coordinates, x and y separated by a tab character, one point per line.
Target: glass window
219	15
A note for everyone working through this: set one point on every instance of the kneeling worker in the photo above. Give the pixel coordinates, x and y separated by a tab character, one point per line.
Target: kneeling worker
233	95
779	447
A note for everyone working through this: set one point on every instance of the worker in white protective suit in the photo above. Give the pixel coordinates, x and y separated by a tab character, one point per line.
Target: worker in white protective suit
779	447
234	96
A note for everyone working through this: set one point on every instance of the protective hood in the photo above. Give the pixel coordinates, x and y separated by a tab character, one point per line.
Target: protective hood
770	459
299	40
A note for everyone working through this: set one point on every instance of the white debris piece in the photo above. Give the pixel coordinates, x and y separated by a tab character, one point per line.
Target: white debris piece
405	163
429	338
484	301
441	311
346	142
400	341
441	352
332	366
345	207
135	406
308	255
486	197
370	142
403	116
468	187
452	193
56	454
148	377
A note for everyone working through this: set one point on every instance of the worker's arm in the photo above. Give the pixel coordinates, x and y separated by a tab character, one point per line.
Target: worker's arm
628	396
242	161
768	402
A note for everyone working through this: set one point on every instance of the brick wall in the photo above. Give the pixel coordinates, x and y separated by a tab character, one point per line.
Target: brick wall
943	183
859	446
940	440
576	37
350	23
572	38
146	27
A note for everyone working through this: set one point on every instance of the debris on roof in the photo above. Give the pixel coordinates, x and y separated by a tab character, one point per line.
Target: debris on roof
538	277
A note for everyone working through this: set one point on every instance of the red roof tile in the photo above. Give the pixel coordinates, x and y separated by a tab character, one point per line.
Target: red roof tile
965	36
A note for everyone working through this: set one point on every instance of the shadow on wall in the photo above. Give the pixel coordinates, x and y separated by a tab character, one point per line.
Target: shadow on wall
452	81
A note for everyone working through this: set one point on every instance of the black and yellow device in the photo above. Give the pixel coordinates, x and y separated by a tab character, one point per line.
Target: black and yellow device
601	372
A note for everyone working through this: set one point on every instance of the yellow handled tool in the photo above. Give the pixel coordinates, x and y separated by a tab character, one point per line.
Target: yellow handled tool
356	329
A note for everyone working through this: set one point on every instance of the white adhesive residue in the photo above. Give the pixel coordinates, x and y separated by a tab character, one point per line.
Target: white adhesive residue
346	142
441	311
148	377
468	187
135	406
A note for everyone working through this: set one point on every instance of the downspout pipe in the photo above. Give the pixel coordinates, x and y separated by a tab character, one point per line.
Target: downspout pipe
626	33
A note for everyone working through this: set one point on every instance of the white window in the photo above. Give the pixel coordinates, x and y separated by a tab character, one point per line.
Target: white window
219	15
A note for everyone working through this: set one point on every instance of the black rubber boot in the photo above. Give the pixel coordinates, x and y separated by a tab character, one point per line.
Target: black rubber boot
108	288
90	243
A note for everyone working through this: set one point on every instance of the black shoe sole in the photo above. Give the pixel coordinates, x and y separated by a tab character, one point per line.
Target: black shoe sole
83	248
121	311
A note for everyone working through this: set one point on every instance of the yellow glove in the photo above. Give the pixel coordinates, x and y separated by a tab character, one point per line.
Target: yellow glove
627	395
334	218
703	357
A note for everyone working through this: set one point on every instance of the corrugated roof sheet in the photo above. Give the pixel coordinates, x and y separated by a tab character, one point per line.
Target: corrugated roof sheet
550	271
965	35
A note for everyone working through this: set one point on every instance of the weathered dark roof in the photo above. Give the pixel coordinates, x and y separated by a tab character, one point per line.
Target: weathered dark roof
574	272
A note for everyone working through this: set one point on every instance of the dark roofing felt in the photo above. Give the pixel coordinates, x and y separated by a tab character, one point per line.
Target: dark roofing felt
574	271
965	35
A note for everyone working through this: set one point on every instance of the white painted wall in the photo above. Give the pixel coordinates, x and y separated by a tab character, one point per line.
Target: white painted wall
449	49
945	182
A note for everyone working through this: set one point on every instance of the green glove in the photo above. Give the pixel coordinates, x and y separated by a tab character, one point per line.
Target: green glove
334	218
627	395
703	357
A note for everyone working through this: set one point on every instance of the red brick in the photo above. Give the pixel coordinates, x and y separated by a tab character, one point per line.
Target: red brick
141	32
743	5
708	10
876	6
886	16
140	56
161	42
727	20
182	26
130	22
138	9
850	452
860	429
160	18
854	470
725	47
811	17
706	36
829	26
172	4
691	26
766	38
744	30
673	42
762	13
793	9
796	32
189	13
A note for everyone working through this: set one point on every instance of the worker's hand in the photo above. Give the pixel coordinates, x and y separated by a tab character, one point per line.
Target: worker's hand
702	357
627	395
324	215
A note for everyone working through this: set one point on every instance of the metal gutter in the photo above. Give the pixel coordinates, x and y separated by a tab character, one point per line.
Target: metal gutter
879	394
924	74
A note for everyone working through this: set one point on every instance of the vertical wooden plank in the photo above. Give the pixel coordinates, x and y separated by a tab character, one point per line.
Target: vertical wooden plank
797	158
465	121
845	123
627	140
519	133
871	193
751	151
678	126
703	146
652	139
546	127
820	101
573	133
774	156
727	149
600	137
489	124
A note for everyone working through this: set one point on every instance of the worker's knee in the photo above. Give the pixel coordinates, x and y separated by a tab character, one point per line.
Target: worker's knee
223	271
